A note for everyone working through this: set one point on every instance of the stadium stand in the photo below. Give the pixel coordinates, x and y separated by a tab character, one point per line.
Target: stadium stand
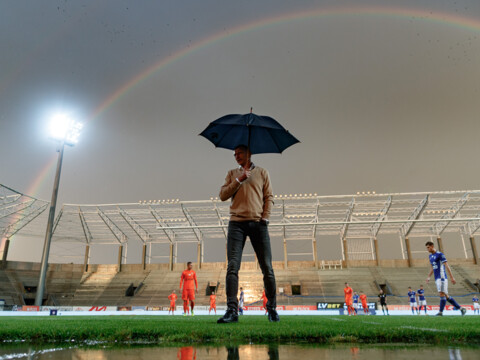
104	285
377	241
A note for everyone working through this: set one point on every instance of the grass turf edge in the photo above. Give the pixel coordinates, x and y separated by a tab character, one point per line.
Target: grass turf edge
251	329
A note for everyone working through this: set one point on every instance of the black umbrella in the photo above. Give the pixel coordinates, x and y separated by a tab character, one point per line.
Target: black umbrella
261	134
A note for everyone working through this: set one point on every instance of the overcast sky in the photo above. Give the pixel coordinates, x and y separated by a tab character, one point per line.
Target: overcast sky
383	95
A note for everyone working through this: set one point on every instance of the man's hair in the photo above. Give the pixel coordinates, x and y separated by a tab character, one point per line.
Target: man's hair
429	243
242	147
241	288
188	263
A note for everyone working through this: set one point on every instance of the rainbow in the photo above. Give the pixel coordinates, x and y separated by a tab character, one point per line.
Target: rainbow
401	13
46	171
457	21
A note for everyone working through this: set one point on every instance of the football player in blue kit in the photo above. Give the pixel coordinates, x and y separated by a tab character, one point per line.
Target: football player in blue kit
413	300
355	302
439	269
476	305
421	300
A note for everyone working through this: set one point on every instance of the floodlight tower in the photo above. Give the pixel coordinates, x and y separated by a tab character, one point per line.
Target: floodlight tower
65	131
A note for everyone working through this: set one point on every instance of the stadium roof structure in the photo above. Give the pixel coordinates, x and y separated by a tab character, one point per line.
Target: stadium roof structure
17	210
303	217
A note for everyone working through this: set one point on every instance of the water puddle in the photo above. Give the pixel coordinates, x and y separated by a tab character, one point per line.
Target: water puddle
243	352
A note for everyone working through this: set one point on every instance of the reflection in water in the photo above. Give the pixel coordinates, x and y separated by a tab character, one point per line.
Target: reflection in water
455	354
241	352
187	353
232	353
249	352
14	351
273	352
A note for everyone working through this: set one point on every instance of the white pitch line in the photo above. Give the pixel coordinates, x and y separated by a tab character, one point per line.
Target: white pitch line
31	354
425	329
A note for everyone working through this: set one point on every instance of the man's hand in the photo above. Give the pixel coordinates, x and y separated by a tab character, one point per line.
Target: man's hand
428	279
245	175
454	281
196	291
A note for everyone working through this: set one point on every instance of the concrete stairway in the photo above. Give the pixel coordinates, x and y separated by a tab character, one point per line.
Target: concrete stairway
104	285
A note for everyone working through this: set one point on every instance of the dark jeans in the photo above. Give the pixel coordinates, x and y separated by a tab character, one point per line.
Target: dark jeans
258	234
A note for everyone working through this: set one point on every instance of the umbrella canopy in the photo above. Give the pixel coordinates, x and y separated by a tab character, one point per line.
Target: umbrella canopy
260	133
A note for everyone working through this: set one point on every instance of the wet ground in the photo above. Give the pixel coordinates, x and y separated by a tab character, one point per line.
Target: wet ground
243	352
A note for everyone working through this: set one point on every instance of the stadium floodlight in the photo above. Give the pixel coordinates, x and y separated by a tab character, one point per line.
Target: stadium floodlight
66	131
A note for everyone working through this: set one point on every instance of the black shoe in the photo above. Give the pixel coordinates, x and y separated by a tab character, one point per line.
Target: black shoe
230	317
439	314
273	316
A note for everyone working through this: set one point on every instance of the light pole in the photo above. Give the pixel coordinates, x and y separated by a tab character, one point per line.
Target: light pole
66	132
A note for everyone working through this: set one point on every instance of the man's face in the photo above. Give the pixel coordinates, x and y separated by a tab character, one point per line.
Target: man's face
241	156
346	285
189	266
430	249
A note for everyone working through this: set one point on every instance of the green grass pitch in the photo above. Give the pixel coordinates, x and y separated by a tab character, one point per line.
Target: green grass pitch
250	329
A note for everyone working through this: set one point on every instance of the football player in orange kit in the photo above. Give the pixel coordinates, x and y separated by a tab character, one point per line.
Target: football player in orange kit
189	278
172	297
363	299
213	303
348	299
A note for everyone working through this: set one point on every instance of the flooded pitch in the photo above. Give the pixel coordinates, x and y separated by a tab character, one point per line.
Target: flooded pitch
243	352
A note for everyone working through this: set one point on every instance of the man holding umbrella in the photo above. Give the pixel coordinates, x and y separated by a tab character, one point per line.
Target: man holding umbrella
251	192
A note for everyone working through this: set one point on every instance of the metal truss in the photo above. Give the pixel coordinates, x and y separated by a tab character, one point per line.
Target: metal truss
381	217
143	234
348	218
415	215
472	226
439	227
112	226
293	218
17	210
300	222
